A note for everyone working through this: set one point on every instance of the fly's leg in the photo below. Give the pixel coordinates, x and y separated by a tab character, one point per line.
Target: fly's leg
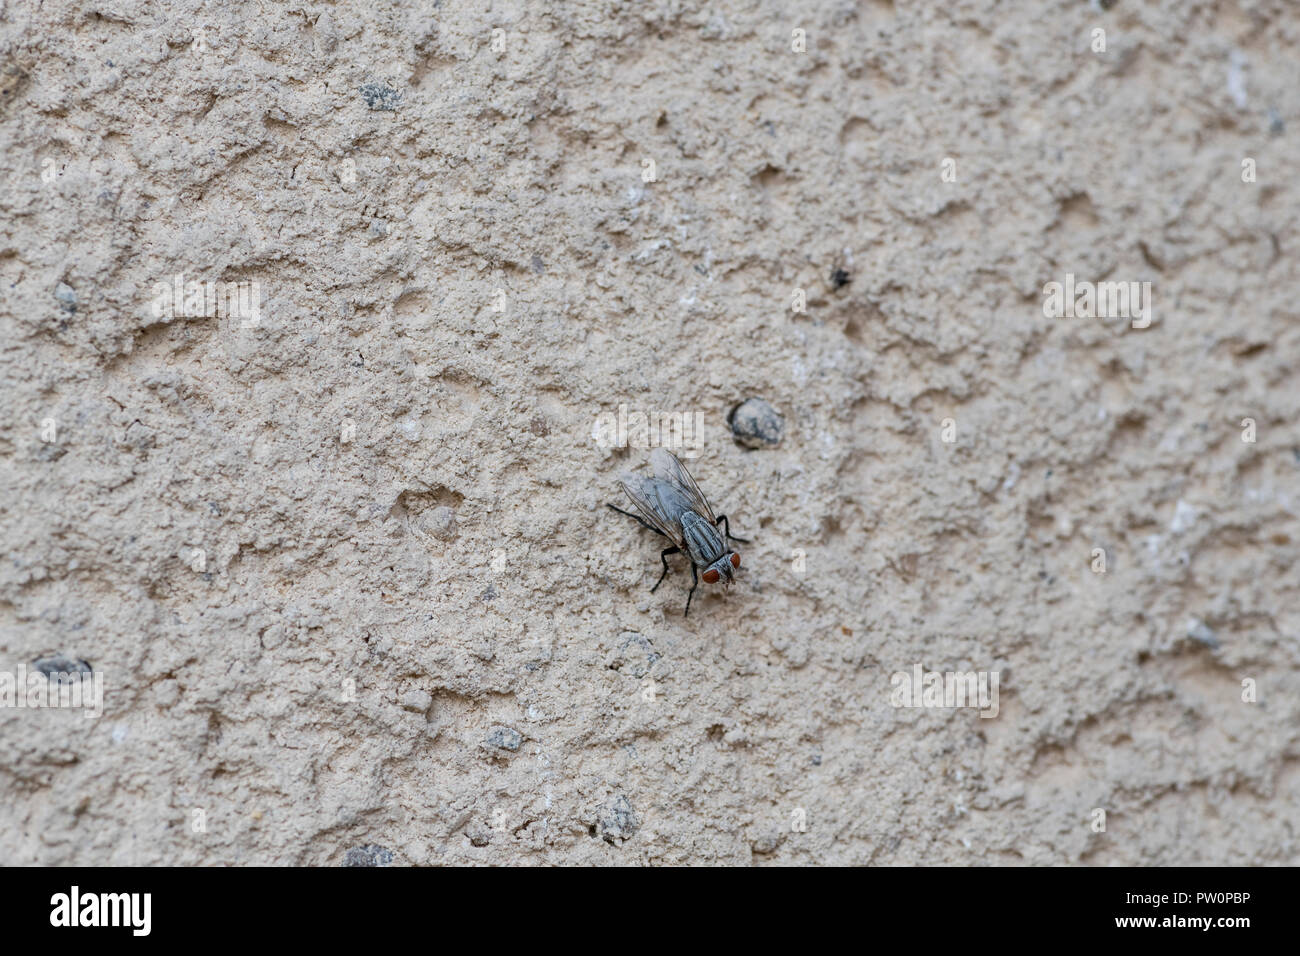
663	556
642	521
726	528
695	583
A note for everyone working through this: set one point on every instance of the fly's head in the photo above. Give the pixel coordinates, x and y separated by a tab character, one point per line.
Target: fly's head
723	569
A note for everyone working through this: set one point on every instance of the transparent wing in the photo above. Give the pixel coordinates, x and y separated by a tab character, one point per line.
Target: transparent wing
645	494
668	468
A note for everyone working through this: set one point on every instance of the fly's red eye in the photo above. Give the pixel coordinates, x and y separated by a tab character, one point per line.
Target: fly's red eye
735	560
711	576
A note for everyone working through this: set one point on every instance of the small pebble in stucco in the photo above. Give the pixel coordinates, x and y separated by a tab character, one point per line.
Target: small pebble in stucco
617	820
369	855
58	667
380	96
756	424
66	296
504	738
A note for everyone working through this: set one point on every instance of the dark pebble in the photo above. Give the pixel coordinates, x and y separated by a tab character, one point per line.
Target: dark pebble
617	820
380	96
369	855
505	737
756	424
60	665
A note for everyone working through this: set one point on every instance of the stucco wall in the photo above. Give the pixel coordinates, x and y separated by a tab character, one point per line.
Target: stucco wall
343	563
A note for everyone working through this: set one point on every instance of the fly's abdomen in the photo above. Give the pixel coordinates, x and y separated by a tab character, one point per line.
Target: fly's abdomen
703	542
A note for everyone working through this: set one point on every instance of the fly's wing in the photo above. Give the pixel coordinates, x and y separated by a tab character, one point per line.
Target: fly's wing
648	495
669	469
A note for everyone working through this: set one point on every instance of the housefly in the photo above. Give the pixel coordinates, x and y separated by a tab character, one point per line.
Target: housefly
671	504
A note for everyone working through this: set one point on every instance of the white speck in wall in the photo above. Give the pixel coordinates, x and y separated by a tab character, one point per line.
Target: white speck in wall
1184	517
1013	475
1237	78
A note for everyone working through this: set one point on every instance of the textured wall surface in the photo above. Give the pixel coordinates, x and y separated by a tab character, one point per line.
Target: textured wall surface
344	566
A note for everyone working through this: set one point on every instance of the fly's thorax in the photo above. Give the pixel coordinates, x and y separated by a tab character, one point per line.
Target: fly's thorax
704	545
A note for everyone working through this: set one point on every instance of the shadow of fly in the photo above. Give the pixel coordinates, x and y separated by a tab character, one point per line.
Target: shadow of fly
671	504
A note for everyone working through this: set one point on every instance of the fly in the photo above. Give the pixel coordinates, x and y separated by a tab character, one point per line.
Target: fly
671	504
